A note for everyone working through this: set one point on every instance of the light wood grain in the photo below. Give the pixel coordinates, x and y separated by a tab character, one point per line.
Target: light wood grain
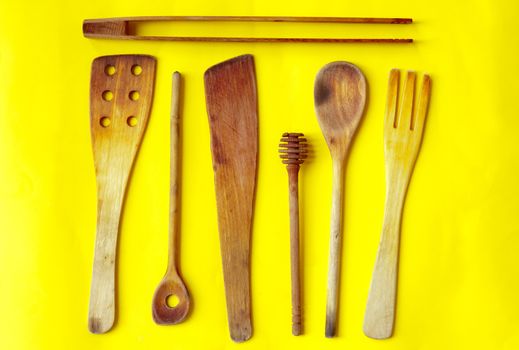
124	28
293	152
114	147
402	139
230	90
172	284
340	97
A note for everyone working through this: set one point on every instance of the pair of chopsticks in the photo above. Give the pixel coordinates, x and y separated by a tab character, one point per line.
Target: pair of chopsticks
121	28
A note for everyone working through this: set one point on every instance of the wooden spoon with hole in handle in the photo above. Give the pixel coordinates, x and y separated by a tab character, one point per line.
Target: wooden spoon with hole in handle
230	92
121	93
340	96
165	313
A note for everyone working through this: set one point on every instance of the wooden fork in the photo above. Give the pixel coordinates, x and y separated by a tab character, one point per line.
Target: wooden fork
402	139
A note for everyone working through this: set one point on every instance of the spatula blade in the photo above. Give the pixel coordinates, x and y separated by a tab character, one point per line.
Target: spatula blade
231	99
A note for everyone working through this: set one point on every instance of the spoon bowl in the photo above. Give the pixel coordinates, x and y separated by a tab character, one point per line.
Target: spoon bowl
340	98
164	311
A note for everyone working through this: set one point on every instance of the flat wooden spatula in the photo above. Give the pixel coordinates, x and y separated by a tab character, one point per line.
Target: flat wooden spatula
230	90
121	92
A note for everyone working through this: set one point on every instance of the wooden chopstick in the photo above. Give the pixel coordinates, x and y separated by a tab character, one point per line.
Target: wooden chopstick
119	28
369	20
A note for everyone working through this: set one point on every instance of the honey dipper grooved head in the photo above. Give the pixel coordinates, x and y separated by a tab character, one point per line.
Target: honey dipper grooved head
293	148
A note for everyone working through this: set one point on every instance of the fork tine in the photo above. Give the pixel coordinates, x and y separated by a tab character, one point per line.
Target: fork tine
392	96
406	108
422	104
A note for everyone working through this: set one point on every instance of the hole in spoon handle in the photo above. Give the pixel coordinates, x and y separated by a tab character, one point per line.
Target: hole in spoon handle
170	303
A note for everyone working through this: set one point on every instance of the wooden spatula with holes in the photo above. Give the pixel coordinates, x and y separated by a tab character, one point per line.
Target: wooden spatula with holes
230	91
121	93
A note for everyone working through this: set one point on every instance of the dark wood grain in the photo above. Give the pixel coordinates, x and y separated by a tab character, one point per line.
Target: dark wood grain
298	19
340	96
293	151
230	90
251	40
115	28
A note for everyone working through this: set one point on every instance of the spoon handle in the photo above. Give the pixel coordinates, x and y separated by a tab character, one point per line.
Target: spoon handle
332	295
174	183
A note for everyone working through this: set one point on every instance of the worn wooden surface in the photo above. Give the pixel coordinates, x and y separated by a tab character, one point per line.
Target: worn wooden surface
123	28
402	139
293	151
117	125
230	90
172	284
340	97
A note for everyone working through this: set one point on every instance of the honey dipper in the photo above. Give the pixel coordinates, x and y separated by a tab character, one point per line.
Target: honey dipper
293	151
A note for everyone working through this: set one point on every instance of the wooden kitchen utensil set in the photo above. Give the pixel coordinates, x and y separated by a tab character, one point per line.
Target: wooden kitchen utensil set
121	95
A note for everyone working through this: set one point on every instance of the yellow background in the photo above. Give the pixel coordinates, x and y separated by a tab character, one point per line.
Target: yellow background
458	283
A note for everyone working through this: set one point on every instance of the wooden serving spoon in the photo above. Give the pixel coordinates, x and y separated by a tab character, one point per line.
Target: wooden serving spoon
340	96
172	286
121	92
230	93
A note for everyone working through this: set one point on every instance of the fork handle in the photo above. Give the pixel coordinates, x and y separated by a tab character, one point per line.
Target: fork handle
380	309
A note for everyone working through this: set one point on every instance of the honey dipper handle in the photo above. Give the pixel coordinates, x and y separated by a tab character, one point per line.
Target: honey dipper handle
293	170
174	183
334	263
380	309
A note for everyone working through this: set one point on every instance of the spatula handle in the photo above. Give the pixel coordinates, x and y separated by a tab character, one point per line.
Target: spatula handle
380	309
334	263
102	293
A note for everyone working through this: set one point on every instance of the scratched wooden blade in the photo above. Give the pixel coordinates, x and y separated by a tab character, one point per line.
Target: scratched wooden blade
230	89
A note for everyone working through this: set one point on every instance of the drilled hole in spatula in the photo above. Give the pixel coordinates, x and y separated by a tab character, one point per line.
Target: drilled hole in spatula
110	70
172	301
131	121
107	95
136	69
134	95
105	122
